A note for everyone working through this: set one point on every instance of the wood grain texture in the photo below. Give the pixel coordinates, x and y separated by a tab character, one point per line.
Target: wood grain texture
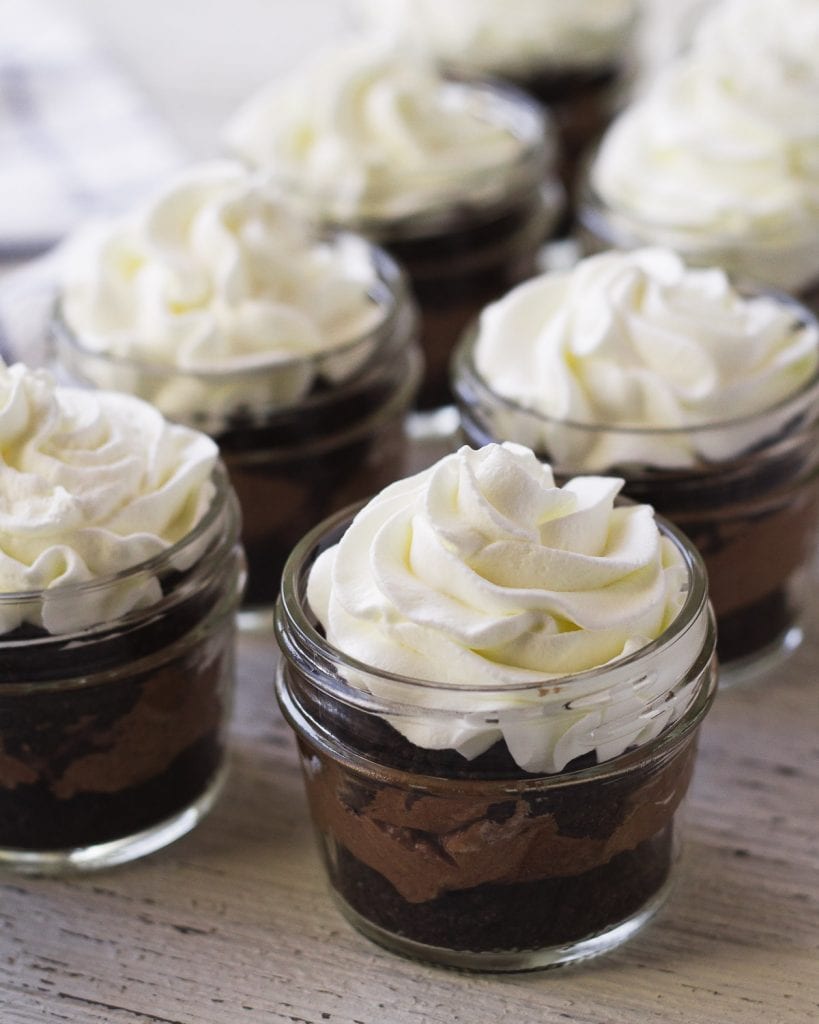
232	923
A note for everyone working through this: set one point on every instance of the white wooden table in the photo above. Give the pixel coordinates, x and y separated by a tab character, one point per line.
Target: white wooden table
233	924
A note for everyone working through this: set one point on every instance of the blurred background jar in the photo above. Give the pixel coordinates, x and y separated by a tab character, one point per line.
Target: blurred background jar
455	179
705	400
718	157
295	351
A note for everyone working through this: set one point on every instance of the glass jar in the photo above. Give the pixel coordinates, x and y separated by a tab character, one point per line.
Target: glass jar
478	863
737	509
113	735
572	61
301	437
477	234
773	259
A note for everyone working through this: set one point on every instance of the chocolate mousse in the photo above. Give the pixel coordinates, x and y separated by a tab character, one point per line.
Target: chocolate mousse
462	863
91	752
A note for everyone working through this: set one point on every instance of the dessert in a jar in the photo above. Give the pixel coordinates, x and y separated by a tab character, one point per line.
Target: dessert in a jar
496	685
719	159
569	56
296	351
452	178
120	574
705	399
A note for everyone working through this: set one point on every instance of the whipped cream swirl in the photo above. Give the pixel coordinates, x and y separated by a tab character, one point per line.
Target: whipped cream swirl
481	573
369	131
516	38
720	157
638	341
213	276
91	483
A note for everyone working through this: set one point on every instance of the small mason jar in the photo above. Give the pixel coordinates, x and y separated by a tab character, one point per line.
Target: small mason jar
477	232
113	735
300	436
773	258
479	864
753	516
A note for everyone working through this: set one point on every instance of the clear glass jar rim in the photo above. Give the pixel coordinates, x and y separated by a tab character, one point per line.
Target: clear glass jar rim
151	566
389	276
463	361
290	616
633	757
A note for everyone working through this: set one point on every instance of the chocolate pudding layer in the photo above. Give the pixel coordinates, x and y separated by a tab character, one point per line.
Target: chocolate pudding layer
90	764
461	864
519	916
456	853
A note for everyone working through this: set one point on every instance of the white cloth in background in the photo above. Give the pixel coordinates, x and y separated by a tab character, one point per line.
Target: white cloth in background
75	137
77	140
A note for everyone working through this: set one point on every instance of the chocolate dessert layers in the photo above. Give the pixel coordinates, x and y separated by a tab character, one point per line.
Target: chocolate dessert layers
92	763
492	858
110	731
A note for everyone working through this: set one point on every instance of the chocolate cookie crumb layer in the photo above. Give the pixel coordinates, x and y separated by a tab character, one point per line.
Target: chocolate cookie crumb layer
522	916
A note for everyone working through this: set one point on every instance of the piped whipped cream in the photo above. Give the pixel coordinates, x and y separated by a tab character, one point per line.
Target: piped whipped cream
215	275
496	36
370	131
638	341
720	157
481	573
91	483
